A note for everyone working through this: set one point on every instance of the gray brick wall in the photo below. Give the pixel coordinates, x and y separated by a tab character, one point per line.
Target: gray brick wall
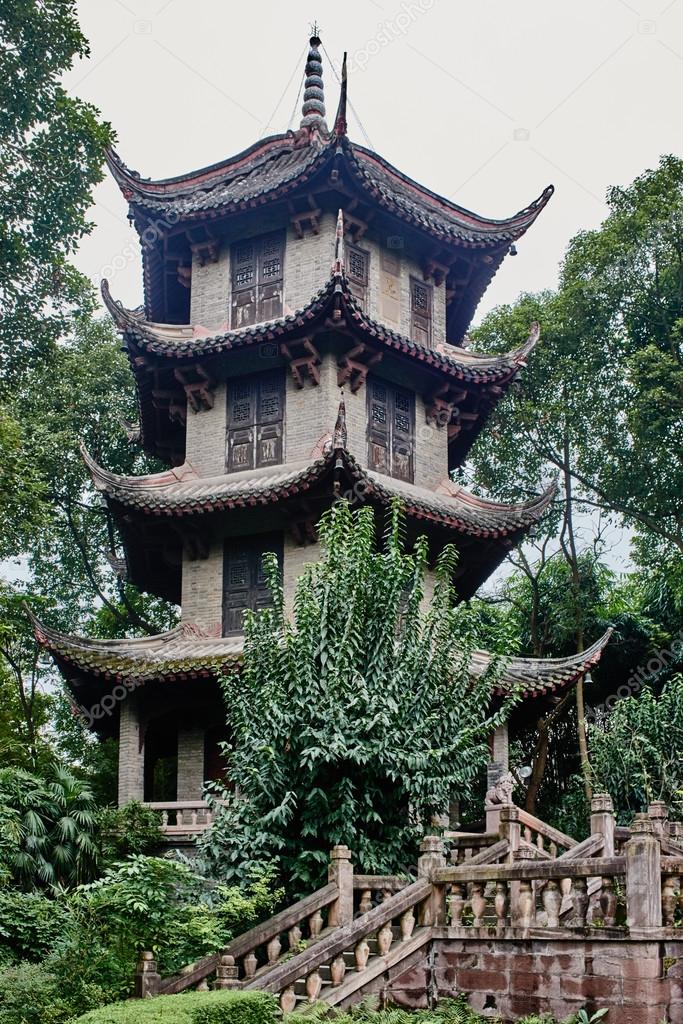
190	763
205	437
308	263
202	589
131	752
209	295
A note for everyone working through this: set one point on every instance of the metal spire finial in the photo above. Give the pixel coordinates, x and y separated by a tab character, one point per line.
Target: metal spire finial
313	109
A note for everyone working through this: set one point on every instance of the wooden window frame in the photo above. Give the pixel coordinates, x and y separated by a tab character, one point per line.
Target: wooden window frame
359	283
250	551
260	433
256	295
391	429
421	324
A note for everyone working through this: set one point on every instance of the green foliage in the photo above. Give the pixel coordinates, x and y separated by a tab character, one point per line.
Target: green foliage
30	925
51	155
29	994
54	822
157	904
358	719
447	1011
128	830
636	750
191	1008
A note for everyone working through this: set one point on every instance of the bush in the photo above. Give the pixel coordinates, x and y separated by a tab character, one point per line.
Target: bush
29	994
190	1008
30	924
128	830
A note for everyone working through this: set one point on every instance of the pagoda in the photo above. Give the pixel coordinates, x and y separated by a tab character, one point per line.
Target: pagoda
305	266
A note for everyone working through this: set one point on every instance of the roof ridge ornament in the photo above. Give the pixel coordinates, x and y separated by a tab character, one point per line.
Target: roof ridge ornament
341	437
340	123
338	265
313	109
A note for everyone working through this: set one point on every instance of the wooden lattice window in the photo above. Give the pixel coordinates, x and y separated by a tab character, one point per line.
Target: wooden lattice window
358	271
420	312
257	279
391	430
244	578
255	421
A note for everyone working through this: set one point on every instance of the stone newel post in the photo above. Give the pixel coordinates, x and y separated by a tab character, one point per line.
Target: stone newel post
433	910
340	872
147	978
643	876
602	821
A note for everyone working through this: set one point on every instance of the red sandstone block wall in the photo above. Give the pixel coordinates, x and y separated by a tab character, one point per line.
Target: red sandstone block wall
640	982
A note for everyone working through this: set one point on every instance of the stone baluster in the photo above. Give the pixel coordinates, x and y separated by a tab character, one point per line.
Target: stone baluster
456	904
249	964
193	818
385	937
407	923
313	985
552	850
643	877
510	829
431	859
523	905
608	902
340	872
539	841
164	819
528	836
361	953
226	973
315	924
579	897
273	949
203	986
337	970
478	904
602	821
670	888
147	978
294	936
658	813
365	901
501	905
552	903
288	999
386	895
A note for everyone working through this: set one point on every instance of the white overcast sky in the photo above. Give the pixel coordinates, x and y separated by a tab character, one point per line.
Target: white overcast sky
484	102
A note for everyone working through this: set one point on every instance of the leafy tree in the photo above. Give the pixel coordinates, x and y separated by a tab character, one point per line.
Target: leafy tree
601	401
357	720
51	155
636	750
54	824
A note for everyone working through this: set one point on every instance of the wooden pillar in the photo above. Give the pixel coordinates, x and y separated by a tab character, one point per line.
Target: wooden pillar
340	872
131	752
643	877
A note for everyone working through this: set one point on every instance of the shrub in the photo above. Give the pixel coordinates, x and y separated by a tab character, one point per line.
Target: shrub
29	994
128	830
30	924
190	1008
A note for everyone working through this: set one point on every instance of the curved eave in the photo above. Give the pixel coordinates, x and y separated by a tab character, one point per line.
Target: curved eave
399	194
180	654
183	342
174	493
535	677
184	653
